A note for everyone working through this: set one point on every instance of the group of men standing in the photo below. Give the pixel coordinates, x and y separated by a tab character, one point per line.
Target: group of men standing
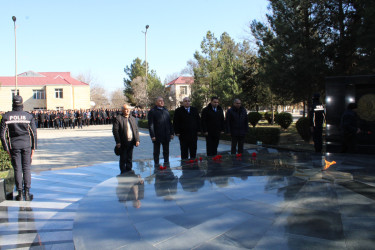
80	117
74	118
187	125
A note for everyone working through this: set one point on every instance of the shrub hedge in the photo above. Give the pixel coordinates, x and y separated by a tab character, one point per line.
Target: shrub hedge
269	136
254	118
284	119
142	123
303	128
5	162
171	114
268	116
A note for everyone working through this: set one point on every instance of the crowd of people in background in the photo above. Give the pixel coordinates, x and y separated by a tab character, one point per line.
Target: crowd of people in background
79	118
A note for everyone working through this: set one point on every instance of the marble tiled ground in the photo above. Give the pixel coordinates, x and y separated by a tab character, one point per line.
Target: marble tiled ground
276	200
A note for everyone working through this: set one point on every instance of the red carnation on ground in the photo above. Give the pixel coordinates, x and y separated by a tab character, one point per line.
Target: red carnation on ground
200	158
254	154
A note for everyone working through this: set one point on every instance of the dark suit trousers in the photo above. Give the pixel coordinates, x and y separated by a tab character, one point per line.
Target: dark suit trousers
157	152
212	142
126	157
318	139
237	140
188	144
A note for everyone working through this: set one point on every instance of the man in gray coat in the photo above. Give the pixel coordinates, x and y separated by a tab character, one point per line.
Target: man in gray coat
126	133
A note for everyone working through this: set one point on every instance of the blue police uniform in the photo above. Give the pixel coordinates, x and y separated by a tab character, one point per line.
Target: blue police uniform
18	137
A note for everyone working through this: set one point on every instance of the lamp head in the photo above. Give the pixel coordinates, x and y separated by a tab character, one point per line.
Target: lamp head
147	26
14	18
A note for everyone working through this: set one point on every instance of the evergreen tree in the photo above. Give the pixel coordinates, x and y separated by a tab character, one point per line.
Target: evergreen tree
154	86
290	49
218	69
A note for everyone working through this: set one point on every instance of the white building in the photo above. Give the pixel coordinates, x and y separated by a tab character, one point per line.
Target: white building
180	88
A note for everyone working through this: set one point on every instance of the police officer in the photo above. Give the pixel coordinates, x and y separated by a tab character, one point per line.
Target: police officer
317	117
18	136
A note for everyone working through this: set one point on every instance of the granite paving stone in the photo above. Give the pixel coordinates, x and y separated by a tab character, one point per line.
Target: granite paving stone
278	199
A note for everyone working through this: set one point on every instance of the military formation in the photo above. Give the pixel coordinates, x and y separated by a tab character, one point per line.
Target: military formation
79	117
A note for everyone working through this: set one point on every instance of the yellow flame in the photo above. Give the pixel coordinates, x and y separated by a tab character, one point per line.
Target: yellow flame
328	164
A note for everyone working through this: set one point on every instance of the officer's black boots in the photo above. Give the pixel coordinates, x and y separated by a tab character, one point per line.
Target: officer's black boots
28	196
19	197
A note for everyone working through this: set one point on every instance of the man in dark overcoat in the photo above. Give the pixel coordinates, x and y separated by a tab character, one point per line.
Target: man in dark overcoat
126	133
350	129
186	123
237	125
161	130
212	125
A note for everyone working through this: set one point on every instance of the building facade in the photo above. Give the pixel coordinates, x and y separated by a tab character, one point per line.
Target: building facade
180	88
46	91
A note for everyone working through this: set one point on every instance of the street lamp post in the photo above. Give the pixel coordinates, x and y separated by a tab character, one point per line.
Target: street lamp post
15	51
147	26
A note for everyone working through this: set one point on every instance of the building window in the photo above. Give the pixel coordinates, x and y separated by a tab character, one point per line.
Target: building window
14	91
59	108
40	108
183	90
39	94
59	93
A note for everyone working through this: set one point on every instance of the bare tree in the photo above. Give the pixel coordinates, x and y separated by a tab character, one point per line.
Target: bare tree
87	78
139	87
189	69
99	96
171	77
98	93
118	98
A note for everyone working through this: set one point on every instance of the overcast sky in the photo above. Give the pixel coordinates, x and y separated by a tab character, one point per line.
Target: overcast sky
102	37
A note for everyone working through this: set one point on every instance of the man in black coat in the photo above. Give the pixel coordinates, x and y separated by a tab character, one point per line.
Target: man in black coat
42	119
126	133
212	125
161	130
237	125
186	123
18	137
350	129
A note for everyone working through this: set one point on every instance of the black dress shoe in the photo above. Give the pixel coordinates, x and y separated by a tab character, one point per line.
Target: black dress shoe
19	197
28	196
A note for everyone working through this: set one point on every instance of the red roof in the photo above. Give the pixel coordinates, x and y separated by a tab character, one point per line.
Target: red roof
182	80
32	78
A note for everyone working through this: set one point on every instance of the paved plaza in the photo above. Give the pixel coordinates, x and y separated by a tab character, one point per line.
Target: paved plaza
69	148
266	199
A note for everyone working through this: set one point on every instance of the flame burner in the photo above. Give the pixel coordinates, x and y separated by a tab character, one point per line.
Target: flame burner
328	164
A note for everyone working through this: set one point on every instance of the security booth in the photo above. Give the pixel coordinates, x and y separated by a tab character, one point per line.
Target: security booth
340	91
